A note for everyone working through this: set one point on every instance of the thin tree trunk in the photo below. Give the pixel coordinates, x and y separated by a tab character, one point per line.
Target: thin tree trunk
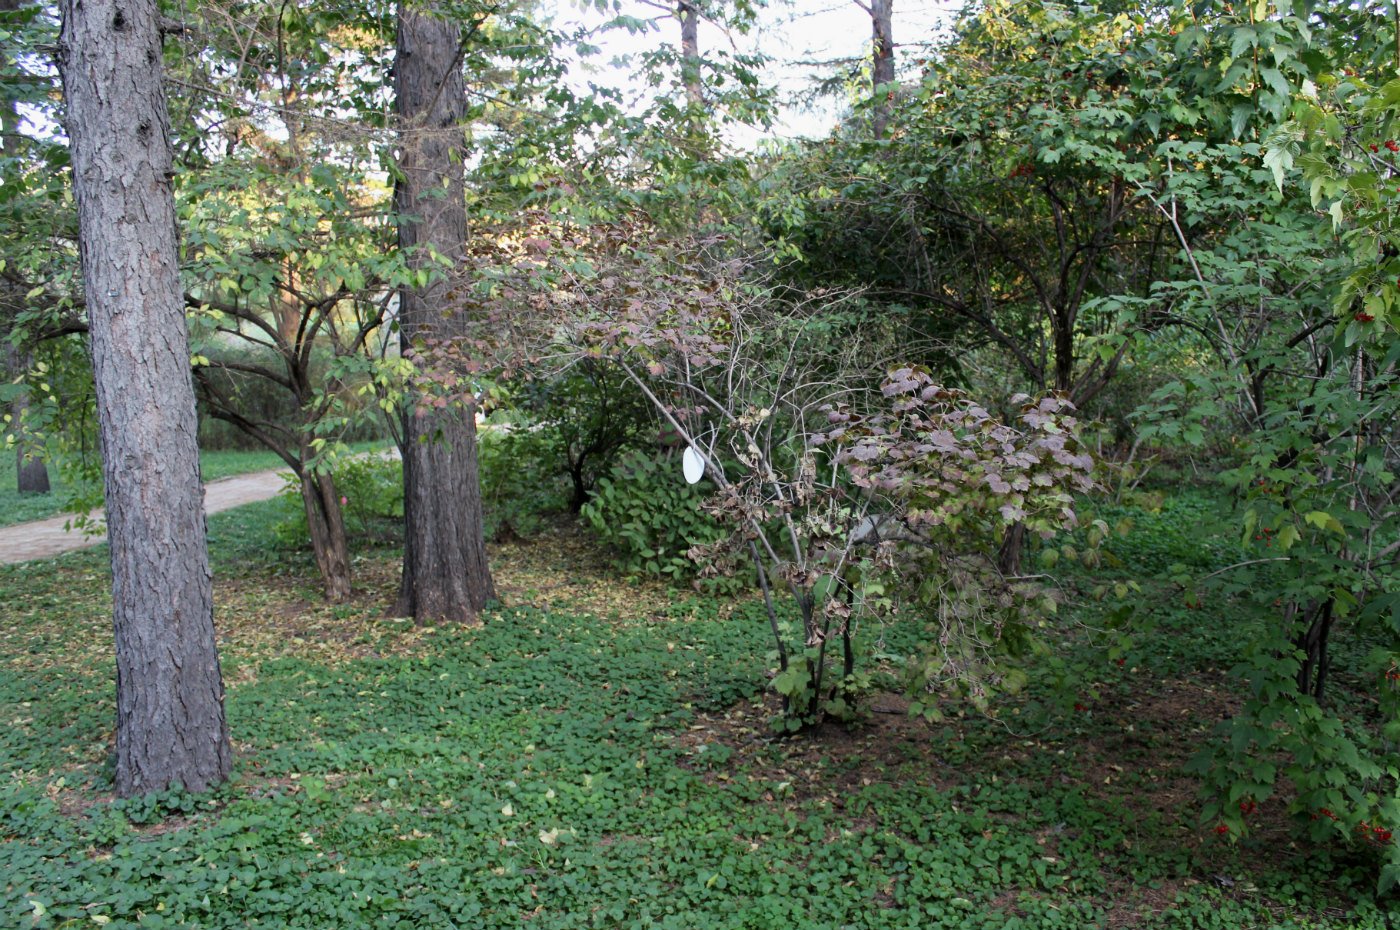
881	62
1312	642
32	475
690	51
445	571
326	525
170	714
30	472
1062	322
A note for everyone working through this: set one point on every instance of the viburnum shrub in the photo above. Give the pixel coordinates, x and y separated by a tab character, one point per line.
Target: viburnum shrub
955	478
854	481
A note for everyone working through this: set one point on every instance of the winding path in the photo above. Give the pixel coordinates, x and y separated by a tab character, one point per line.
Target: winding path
44	539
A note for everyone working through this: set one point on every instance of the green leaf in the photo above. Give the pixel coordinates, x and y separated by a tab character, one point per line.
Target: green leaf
1239	118
1275	79
1325	521
1279	160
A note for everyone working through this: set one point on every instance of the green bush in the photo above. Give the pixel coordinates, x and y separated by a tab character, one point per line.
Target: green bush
593	415
372	487
651	517
521	479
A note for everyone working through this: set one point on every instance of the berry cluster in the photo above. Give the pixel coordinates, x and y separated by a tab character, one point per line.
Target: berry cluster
1378	833
1247	807
1364	318
1389	144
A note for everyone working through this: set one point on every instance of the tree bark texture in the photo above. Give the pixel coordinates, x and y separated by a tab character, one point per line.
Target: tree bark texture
690	50
445	572
881	61
326	524
170	712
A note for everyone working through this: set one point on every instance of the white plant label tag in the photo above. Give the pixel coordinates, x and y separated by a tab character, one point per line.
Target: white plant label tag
693	465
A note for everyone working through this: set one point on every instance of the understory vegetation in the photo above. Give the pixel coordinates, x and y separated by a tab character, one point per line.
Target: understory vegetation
581	758
984	513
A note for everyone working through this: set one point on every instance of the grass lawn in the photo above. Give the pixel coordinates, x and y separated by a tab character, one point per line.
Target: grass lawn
597	755
21	508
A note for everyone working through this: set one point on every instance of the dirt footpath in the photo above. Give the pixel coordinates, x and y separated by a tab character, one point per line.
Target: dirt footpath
44	539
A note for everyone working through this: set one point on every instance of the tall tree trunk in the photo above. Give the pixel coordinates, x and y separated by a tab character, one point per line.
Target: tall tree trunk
690	50
30	472
445	571
170	712
881	61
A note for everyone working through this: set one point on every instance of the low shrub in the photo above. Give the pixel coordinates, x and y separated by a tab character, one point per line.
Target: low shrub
645	510
372	489
522	480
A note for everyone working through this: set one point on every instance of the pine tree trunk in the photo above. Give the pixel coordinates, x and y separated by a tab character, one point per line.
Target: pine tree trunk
445	572
170	714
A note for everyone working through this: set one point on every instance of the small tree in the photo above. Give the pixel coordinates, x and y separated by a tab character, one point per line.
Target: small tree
290	287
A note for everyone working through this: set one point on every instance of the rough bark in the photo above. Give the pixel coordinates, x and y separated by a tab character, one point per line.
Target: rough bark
170	713
881	61
445	572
